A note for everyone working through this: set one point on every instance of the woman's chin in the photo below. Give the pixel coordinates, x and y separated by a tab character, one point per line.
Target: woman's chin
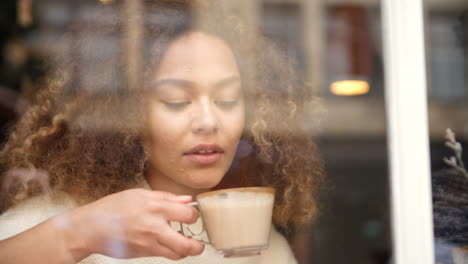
204	182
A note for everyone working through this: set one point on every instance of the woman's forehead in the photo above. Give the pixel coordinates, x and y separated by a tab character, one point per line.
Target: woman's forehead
197	56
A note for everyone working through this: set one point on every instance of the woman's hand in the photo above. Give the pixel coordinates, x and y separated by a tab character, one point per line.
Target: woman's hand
129	224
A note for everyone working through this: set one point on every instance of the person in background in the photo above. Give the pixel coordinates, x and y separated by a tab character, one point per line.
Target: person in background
95	174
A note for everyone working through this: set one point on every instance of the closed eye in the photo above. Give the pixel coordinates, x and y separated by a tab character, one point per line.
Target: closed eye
176	105
227	104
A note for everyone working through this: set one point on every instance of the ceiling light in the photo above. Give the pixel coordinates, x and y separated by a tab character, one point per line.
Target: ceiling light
349	87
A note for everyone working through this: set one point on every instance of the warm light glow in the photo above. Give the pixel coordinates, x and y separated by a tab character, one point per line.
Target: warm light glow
106	1
25	13
350	87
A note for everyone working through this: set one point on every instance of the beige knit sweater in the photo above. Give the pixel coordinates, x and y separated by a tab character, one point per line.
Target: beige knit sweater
38	209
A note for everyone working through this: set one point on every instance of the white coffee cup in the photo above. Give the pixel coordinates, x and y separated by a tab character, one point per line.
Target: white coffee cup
238	220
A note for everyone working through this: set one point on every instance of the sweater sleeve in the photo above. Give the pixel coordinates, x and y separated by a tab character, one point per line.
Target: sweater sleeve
30	213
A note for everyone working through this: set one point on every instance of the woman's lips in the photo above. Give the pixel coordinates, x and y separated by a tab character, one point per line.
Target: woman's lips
204	159
205	154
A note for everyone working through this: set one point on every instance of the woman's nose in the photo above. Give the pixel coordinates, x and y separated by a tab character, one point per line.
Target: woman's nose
205	120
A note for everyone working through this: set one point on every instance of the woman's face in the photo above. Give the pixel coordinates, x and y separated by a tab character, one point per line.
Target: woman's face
196	115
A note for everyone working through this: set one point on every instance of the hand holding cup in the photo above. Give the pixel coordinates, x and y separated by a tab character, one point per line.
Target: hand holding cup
132	223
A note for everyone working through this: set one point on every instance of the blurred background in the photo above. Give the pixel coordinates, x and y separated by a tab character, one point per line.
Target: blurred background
338	47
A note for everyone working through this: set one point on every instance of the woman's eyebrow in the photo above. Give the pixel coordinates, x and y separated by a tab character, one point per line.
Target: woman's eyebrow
189	84
227	81
173	82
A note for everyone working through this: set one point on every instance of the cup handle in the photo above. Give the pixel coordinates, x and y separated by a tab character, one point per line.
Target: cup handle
196	205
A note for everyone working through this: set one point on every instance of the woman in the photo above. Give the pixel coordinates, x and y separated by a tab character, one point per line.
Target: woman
104	173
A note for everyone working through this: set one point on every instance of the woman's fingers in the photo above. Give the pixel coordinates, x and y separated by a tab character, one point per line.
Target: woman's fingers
180	244
163	251
159	195
175	211
144	229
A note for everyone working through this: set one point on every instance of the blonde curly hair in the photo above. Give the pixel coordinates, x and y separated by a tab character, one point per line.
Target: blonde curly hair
90	144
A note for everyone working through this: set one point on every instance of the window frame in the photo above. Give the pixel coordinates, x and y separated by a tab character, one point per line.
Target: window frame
407	128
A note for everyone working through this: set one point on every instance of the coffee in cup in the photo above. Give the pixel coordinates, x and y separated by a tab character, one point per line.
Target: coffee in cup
238	220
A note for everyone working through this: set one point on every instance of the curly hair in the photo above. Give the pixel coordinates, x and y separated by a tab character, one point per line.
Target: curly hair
90	143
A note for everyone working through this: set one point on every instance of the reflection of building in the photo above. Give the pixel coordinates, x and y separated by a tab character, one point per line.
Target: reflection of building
353	130
301	30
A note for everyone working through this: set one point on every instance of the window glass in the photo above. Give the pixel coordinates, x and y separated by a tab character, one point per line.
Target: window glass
284	94
446	41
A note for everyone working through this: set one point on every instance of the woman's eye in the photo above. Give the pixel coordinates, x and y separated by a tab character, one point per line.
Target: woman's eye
176	105
226	104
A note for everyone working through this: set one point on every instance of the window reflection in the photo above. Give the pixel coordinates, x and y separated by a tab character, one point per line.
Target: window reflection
354	202
446	30
159	105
